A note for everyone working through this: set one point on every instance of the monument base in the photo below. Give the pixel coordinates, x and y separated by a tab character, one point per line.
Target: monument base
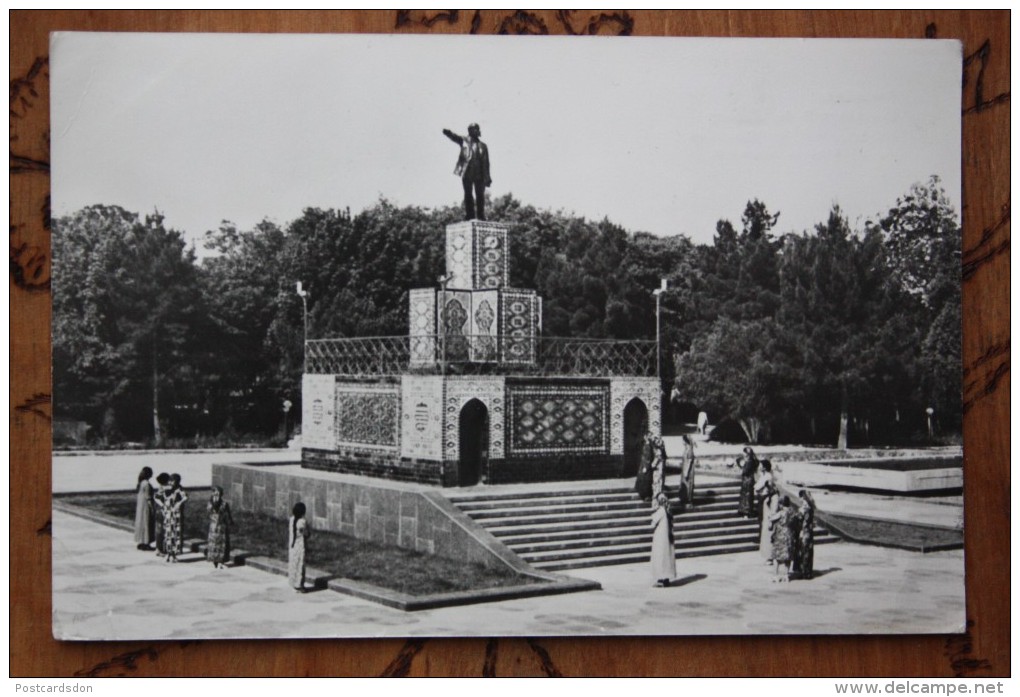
901	475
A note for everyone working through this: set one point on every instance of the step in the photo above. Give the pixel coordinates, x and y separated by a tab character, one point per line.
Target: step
640	537
565	500
641	558
458	499
623	507
611	518
550	534
607	550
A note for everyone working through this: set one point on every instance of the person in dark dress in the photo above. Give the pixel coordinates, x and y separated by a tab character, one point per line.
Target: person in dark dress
748	469
781	524
804	544
220	521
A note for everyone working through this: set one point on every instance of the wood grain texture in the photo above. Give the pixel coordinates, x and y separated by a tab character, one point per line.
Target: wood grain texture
983	652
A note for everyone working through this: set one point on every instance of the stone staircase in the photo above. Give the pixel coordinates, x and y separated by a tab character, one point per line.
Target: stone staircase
577	528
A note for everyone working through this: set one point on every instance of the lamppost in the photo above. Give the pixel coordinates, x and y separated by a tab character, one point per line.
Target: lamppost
658	323
303	294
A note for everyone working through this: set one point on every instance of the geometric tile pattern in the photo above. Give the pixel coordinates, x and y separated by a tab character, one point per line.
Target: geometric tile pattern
422	324
477	255
519	325
546	419
368	416
491	261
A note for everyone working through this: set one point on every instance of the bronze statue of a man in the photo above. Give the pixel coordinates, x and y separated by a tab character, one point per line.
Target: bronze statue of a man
473	169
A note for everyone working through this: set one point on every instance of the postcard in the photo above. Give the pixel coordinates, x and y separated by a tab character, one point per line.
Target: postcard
442	336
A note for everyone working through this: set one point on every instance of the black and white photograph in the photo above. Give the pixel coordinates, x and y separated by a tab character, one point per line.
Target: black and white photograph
470	336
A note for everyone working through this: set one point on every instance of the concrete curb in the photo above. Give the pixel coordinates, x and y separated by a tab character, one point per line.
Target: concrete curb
412	603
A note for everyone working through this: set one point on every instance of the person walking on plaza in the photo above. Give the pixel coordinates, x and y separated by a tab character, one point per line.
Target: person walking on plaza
173	531
145	528
804	544
781	526
473	170
663	545
159	499
748	464
220	521
768	497
298	529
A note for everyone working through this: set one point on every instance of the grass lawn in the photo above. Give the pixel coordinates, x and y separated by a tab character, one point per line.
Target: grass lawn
895	534
388	566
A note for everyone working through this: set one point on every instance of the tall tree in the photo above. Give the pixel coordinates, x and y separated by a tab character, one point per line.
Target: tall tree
837	299
922	232
125	332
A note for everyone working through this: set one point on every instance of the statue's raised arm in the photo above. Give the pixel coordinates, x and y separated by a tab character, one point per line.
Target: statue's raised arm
473	169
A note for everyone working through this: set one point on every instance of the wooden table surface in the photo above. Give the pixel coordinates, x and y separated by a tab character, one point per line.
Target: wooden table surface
982	652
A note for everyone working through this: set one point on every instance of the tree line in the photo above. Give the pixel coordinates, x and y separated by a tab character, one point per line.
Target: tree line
825	335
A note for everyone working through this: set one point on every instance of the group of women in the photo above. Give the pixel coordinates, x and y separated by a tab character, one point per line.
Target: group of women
159	525
786	537
786	528
159	514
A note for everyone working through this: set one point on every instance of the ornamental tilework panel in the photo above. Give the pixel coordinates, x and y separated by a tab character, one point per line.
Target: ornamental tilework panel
422	417
421	322
544	419
625	389
484	329
491	260
368	416
460	391
318	402
459	255
455	321
519	325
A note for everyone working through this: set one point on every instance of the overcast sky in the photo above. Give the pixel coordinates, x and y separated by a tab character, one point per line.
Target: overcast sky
658	134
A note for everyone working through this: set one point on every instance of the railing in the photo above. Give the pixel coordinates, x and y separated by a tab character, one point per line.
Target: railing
478	354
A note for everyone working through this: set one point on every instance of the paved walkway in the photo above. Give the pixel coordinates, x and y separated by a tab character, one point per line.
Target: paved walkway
117	470
106	589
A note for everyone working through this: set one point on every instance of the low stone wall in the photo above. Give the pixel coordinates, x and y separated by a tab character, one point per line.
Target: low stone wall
374	465
553	468
384	512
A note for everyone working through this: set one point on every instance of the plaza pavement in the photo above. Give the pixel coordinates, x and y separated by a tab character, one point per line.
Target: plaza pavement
103	588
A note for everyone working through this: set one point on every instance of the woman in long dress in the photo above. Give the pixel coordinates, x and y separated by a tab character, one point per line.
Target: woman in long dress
159	499
687	473
220	521
748	463
173	534
663	549
145	531
781	524
651	475
768	497
298	528
804	548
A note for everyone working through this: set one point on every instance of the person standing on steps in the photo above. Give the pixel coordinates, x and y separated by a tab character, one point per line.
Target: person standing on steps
473	170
